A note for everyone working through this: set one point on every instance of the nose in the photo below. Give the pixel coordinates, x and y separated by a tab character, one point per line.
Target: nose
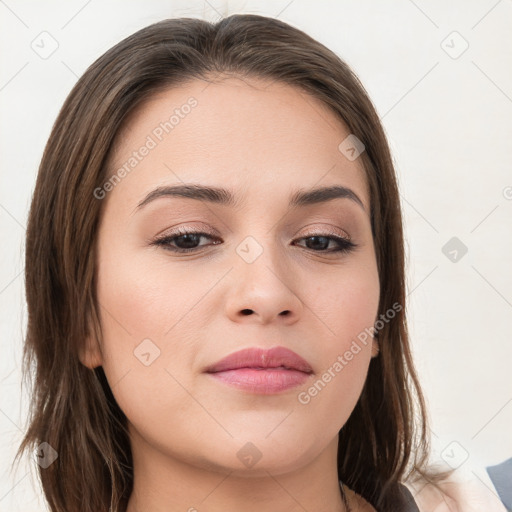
264	289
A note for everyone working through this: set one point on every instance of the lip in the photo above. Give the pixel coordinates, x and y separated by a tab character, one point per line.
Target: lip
262	371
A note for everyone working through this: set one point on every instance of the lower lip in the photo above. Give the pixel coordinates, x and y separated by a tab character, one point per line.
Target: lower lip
265	381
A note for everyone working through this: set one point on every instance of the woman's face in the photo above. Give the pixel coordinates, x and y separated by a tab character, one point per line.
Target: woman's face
264	273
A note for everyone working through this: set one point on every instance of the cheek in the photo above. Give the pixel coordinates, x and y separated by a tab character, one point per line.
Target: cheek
141	300
151	318
345	303
137	307
347	308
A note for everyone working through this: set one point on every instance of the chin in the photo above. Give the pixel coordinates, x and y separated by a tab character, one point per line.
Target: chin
259	456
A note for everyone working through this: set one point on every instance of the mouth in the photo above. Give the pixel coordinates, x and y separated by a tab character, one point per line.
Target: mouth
262	371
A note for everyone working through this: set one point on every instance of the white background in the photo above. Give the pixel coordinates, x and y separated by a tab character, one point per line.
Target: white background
449	126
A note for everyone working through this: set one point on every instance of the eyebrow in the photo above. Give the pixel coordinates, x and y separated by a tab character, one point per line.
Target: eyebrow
224	197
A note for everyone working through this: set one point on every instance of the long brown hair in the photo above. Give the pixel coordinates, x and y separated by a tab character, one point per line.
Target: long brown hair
72	408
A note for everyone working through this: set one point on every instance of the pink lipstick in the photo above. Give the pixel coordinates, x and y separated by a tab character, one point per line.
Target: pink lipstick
262	371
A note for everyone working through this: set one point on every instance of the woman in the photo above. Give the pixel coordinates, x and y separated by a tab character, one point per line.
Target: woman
215	283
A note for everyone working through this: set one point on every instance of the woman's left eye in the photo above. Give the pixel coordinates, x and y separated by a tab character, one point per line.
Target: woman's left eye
343	244
188	241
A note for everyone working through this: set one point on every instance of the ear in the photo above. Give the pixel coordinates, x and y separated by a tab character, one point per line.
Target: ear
375	347
90	353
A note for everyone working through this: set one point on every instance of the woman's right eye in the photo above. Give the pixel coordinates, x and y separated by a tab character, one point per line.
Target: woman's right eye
186	241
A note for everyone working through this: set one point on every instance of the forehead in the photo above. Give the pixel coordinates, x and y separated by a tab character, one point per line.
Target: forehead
245	134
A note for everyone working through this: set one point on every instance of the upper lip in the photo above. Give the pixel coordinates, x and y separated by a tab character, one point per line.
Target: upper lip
261	358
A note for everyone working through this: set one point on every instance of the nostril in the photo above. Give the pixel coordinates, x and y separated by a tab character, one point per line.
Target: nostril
246	311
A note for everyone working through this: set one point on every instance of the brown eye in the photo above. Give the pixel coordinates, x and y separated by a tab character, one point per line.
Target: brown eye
183	241
320	243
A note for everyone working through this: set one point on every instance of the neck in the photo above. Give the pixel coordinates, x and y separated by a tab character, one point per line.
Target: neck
165	483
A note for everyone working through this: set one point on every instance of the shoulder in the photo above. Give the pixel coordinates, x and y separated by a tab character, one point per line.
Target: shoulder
468	489
357	502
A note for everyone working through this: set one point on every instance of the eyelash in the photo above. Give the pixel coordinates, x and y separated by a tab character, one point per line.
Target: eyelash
345	245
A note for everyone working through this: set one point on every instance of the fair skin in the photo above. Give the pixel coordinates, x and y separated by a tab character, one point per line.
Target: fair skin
262	141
